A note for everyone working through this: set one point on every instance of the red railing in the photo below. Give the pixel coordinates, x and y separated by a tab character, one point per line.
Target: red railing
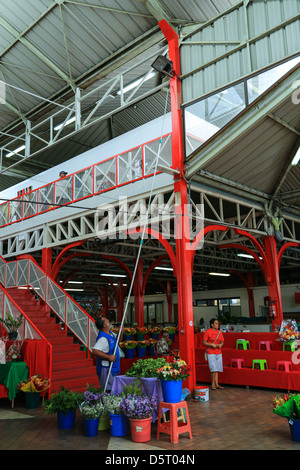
124	168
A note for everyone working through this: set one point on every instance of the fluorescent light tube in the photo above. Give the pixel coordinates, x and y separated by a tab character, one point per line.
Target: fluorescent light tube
164	269
219	274
242	255
10	154
113	275
296	157
136	83
75	290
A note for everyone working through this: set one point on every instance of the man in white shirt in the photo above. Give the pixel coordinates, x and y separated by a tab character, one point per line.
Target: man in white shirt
104	351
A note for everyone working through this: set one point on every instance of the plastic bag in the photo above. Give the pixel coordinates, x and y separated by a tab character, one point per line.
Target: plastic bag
286	410
2	352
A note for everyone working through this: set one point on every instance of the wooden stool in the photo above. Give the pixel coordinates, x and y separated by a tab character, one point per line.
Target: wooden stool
286	366
267	344
238	361
262	364
173	427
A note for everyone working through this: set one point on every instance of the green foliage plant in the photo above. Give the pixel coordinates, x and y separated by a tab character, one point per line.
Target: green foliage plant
64	400
146	367
12	324
133	389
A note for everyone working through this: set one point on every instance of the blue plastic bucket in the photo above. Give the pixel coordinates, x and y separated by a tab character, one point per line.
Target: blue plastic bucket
141	352
129	353
127	337
171	390
295	429
32	399
155	335
118	425
151	351
66	420
139	337
90	427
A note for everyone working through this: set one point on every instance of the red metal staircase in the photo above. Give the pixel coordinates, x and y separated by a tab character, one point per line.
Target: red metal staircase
70	365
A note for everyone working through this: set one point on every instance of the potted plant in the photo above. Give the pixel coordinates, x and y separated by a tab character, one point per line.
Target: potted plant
151	346
288	406
12	325
129	347
64	403
91	410
141	348
154	332
146	367
139	410
117	420
128	333
140	333
171	376
32	388
171	330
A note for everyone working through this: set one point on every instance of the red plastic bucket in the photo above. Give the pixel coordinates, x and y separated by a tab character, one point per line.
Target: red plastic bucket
140	429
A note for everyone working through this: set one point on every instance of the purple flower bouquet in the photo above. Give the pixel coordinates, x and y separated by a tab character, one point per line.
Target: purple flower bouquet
138	407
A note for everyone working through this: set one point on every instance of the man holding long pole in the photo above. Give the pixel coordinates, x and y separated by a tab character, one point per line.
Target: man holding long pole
107	353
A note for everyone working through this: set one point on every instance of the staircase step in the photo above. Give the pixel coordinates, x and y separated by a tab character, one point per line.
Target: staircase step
76	385
60	348
59	356
71	363
75	373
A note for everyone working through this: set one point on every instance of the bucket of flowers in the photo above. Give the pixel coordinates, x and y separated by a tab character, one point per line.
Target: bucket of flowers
171	376
141	348
91	409
140	333
288	406
128	333
32	389
129	348
117	420
154	332
151	346
115	330
171	330
139	410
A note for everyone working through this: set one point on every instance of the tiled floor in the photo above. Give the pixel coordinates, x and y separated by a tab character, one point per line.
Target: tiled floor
235	418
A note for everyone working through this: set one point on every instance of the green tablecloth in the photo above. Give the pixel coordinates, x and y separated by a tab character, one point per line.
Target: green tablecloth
11	374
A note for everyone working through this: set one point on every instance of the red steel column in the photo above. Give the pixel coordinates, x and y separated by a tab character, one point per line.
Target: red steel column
274	283
183	254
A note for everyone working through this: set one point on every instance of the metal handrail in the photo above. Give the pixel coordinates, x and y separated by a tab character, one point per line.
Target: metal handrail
27	273
113	172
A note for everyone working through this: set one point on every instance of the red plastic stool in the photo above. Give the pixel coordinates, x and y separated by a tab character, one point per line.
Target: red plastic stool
173	427
268	345
239	363
286	365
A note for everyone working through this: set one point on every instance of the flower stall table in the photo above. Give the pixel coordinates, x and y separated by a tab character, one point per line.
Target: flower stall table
11	374
152	387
